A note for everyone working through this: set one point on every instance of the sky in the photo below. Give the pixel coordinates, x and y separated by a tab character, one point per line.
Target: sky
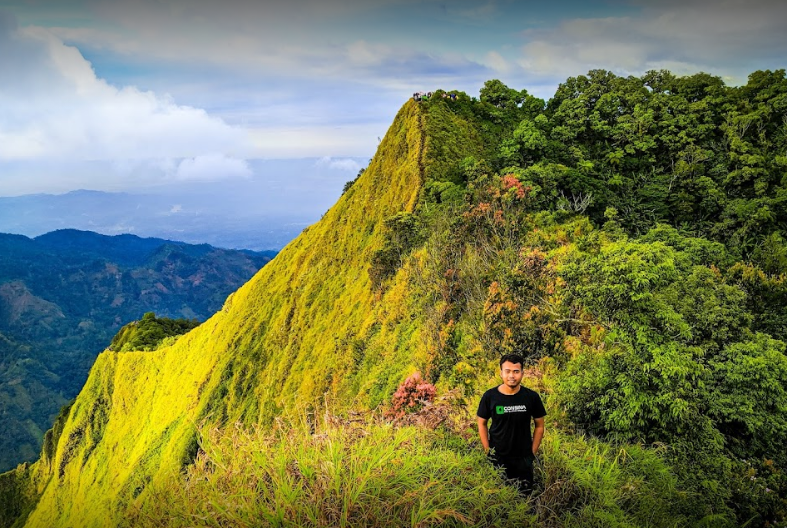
122	95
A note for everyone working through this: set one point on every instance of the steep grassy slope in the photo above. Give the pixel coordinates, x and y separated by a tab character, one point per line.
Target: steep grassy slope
308	329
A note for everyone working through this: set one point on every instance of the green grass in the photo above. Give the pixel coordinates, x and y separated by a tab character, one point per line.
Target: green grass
364	472
347	473
586	482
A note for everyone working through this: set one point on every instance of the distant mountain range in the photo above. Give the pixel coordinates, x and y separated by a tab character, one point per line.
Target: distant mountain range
63	295
262	212
193	218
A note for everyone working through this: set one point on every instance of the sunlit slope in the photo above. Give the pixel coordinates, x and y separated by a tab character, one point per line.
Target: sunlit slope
306	331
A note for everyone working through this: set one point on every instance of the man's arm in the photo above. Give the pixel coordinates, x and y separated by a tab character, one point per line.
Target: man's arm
538	433
483	432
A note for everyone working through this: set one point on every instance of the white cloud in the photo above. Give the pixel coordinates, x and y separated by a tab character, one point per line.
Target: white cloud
728	38
340	164
212	167
496	62
55	107
296	39
288	36
364	54
293	142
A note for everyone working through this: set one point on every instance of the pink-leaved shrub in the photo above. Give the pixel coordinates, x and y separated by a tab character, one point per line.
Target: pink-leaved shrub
411	395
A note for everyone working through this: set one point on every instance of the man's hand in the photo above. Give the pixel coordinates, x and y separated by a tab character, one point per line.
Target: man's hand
538	433
483	432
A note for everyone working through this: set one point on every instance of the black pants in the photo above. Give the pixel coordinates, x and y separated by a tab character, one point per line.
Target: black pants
519	470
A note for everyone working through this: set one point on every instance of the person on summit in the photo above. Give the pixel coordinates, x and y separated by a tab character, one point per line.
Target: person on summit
511	407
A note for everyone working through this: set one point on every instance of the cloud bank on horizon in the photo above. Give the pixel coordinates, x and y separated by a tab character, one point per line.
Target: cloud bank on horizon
115	95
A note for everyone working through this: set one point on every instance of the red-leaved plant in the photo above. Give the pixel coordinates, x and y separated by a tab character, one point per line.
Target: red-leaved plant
411	396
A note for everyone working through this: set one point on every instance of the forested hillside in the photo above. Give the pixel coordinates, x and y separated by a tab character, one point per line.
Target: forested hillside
626	236
63	295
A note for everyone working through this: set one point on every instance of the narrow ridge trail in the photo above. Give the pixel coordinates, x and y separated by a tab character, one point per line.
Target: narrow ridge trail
422	132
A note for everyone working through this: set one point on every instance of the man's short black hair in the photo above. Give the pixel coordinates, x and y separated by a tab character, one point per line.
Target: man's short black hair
512	358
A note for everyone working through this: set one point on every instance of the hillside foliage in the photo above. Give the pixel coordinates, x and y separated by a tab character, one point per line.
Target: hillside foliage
150	332
626	236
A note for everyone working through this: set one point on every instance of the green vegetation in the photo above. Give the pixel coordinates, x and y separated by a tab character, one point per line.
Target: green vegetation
348	473
150	333
366	472
627	236
649	314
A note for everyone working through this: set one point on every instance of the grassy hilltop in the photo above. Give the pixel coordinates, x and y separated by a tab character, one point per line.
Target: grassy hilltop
626	236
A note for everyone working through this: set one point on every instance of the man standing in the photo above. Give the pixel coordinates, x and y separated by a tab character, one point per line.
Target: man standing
511	408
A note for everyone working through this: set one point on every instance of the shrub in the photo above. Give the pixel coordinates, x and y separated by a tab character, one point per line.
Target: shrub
411	396
150	333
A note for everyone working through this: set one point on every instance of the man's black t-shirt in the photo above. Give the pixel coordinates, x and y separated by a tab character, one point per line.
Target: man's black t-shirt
509	434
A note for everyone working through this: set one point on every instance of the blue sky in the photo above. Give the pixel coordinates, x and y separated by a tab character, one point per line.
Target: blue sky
116	95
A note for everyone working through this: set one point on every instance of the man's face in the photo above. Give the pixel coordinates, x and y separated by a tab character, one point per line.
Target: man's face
511	373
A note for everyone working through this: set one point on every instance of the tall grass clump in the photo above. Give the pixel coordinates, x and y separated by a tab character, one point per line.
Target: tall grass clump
344	473
586	482
364	471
